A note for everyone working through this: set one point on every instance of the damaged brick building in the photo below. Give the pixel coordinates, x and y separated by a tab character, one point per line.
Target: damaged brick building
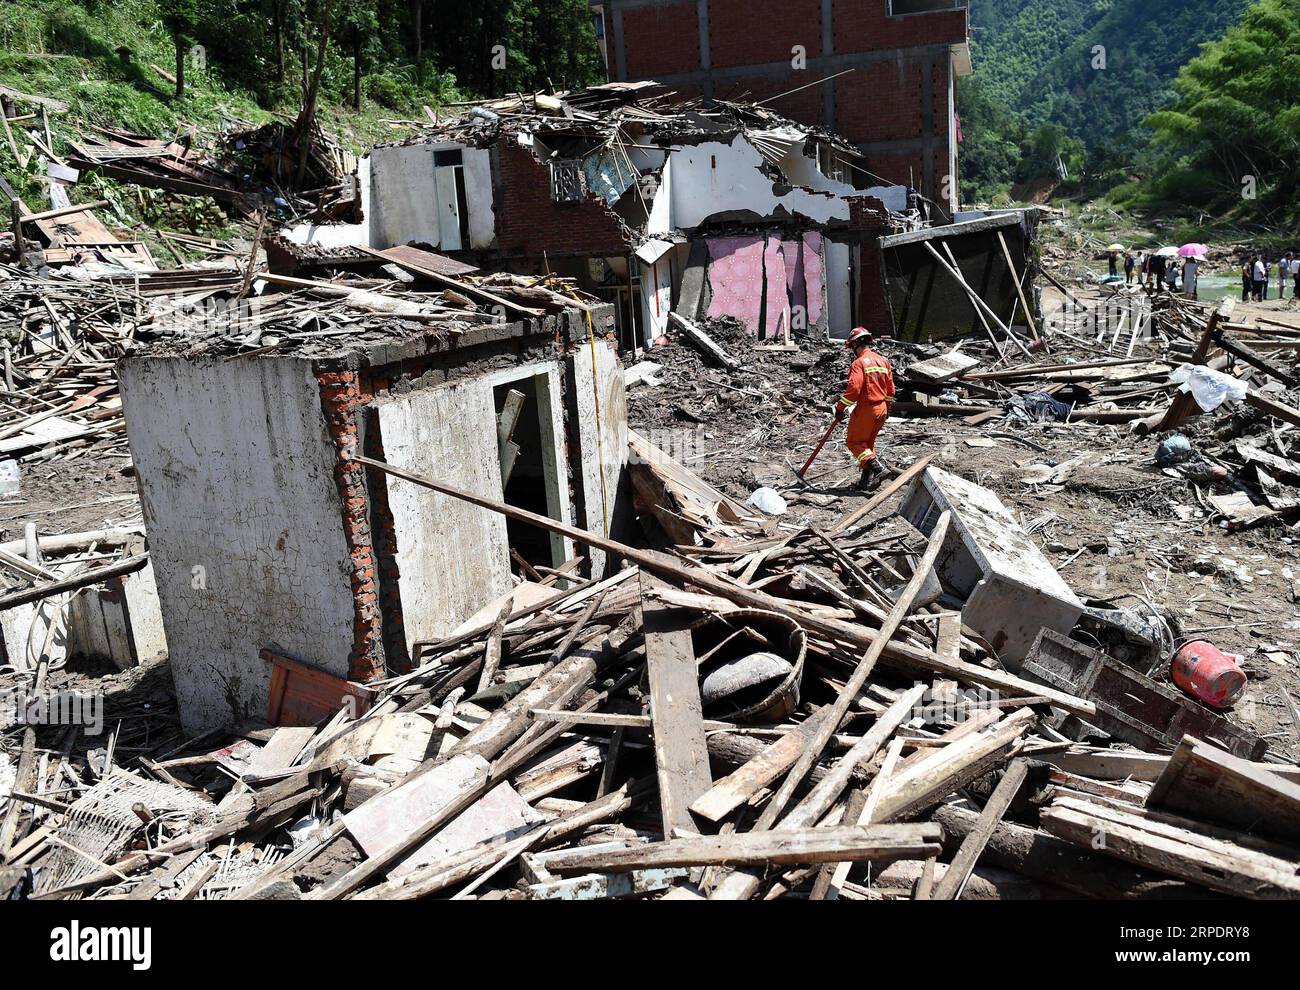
316	560
887	70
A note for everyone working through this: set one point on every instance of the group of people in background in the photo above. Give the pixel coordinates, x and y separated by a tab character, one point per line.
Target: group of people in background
1161	273
1257	271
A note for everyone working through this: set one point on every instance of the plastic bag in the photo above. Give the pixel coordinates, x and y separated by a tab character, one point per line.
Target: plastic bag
1210	389
769	501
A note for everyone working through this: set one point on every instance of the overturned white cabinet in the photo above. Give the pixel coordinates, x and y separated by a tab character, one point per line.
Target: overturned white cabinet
1011	591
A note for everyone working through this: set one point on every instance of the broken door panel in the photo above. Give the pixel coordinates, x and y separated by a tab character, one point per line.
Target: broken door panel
448	208
452	556
600	411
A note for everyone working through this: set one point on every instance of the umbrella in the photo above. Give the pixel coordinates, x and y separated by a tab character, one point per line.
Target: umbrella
1115	247
1168	252
1193	251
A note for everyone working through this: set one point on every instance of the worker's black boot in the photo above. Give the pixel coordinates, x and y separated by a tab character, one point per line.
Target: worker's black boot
872	475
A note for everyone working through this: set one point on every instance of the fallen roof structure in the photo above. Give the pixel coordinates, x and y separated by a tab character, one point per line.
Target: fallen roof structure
659	205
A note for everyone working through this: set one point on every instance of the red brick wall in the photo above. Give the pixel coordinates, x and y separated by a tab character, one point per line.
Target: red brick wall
880	102
869	218
529	221
875	103
342	396
662	40
864	26
741	33
806	105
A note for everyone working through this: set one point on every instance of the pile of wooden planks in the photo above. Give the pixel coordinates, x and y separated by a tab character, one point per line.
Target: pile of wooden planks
571	741
60	338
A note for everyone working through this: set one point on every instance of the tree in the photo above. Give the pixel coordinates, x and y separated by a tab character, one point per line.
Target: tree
324	17
180	17
1237	114
415	8
358	24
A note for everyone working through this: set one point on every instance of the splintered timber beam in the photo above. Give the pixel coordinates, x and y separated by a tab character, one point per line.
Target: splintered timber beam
681	750
856	635
851	843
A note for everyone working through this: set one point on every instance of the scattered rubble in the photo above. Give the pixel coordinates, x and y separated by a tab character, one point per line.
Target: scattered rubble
1068	610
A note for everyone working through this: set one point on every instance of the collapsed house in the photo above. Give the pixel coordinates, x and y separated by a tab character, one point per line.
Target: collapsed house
882	72
706	210
343	576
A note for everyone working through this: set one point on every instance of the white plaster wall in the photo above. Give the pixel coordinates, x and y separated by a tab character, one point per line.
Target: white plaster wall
404	206
802	170
660	220
656	296
700	189
894	197
453	557
602	439
244	522
403	200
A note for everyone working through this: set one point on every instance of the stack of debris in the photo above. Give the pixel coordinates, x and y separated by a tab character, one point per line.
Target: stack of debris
161	164
852	711
318	185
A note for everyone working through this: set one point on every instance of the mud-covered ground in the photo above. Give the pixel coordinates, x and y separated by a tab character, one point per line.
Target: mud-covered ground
71	496
1114	524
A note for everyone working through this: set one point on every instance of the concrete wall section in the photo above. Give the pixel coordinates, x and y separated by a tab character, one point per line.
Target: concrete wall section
452	556
405	203
243	515
714	178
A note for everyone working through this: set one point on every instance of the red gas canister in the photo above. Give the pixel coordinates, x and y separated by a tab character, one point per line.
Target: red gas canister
1206	672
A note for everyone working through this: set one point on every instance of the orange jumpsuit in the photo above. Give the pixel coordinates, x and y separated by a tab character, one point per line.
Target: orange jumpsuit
869	394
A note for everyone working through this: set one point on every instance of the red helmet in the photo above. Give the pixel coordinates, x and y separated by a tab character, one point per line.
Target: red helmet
860	335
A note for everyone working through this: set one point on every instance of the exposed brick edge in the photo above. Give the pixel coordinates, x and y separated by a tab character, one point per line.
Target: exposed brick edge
343	397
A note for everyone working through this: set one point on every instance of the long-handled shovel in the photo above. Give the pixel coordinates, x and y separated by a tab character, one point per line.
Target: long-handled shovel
831	429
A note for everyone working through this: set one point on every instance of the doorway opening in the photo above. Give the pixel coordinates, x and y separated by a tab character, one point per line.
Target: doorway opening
529	469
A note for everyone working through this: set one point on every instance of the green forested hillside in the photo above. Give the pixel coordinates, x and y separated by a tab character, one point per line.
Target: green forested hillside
1230	142
115	60
1041	86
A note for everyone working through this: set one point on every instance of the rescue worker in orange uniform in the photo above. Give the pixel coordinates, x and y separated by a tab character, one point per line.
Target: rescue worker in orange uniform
869	395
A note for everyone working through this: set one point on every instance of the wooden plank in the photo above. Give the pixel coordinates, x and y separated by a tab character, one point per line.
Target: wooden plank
1202	781
959	871
732	791
1134	765
819	801
857	681
943	368
681	752
666	567
1209	862
741	885
949	639
492	650
1020	287
882	496
391	816
703	341
925	784
469	290
854	843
